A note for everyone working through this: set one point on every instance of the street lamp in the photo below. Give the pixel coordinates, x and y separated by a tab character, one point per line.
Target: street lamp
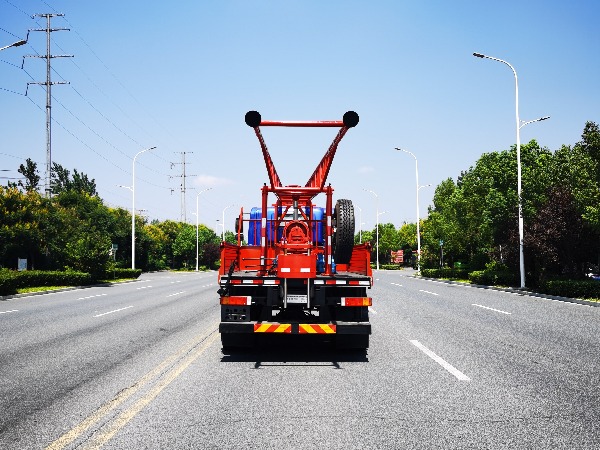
223	223
198	195
14	44
418	218
133	206
377	224
520	124
359	224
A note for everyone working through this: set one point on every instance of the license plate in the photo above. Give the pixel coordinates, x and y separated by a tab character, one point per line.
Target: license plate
297	298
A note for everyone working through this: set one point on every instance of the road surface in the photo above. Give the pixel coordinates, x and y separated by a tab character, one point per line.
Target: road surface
139	365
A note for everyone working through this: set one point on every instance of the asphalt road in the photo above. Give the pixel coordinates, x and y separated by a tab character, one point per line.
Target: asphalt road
139	365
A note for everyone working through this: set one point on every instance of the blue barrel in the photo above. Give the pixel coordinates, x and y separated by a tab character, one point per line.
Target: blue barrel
318	227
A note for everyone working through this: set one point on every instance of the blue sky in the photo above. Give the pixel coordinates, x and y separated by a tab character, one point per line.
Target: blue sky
181	75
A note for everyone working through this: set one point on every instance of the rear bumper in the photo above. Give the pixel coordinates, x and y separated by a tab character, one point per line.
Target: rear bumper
294	328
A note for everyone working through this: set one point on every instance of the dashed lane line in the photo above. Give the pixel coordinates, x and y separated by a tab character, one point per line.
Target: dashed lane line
91	296
11	311
446	365
114	311
491	309
428	292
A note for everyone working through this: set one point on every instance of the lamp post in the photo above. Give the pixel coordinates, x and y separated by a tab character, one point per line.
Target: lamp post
377	224
133	206
359	224
520	124
197	223
418	218
223	223
14	44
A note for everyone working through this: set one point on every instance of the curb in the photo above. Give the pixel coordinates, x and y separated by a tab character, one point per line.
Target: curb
70	288
516	291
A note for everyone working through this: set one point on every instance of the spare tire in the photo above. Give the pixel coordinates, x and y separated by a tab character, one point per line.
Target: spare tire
343	236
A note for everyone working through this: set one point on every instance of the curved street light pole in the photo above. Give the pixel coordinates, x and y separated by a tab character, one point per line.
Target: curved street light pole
223	223
519	124
376	224
14	44
359	224
418	218
197	223
133	206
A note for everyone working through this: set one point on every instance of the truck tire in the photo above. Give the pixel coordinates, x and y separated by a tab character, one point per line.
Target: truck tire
343	238
239	229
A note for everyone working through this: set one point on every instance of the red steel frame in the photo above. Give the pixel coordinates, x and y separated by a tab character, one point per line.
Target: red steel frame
288	196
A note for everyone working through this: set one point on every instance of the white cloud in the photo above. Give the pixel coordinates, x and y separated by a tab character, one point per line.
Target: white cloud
211	181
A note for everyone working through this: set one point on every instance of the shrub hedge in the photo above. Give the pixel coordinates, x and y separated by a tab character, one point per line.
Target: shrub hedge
8	282
122	273
572	288
493	278
11	280
446	272
390	267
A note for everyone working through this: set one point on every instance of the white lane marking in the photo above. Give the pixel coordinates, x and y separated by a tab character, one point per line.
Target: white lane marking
143	287
173	282
116	310
427	292
397	284
176	293
446	365
91	296
491	309
372	310
6	312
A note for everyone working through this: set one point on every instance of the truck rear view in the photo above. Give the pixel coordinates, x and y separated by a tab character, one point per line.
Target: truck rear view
299	272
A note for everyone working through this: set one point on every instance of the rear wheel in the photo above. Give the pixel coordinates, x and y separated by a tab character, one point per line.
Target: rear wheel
343	238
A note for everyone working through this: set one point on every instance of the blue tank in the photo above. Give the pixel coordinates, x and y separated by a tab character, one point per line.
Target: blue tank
318	227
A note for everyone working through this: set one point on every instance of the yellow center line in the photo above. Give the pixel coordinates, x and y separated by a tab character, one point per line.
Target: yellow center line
122	396
124	418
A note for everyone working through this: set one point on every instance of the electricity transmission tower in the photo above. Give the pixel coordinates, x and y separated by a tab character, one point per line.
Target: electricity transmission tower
48	83
183	176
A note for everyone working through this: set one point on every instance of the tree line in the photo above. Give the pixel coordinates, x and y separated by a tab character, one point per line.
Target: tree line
74	229
473	221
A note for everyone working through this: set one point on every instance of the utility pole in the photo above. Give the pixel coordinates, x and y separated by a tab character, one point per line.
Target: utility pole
48	83
183	176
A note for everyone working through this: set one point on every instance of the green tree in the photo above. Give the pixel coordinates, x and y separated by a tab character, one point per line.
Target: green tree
157	258
30	172
184	246
389	241
63	182
170	229
88	251
209	247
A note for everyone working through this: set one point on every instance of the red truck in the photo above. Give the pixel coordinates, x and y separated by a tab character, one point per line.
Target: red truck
299	272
